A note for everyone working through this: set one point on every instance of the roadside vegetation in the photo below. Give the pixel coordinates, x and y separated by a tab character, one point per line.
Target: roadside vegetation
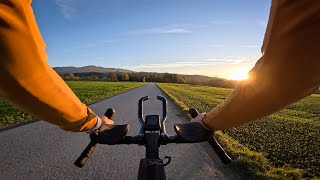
150	77
91	91
284	145
88	92
10	115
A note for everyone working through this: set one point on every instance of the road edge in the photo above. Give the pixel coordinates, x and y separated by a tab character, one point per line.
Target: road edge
241	164
184	111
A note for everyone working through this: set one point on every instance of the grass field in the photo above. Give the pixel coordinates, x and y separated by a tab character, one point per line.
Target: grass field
91	91
289	138
87	91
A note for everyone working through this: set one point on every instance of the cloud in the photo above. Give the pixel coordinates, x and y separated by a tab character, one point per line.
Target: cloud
81	47
221	22
112	40
263	23
90	45
204	45
250	46
99	58
168	29
190	26
197	64
221	67
215	45
232	60
66	8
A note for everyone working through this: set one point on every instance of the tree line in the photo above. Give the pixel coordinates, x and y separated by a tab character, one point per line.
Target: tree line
152	77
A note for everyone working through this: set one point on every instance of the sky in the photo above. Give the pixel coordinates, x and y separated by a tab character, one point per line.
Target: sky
206	37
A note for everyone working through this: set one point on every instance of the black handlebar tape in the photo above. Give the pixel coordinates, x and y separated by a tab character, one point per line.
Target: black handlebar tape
213	142
109	113
219	151
193	112
81	161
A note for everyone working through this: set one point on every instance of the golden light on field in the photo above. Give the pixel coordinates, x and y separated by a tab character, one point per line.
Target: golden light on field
240	74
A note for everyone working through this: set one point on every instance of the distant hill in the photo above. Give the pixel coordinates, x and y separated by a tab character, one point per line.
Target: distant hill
188	78
87	69
97	69
114	74
199	78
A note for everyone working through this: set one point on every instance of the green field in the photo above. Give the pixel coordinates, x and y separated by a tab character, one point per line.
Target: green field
87	91
289	137
91	91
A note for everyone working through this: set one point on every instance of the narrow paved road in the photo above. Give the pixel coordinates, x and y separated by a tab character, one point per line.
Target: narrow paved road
42	151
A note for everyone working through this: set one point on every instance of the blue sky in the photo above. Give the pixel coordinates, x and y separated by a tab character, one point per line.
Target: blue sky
207	37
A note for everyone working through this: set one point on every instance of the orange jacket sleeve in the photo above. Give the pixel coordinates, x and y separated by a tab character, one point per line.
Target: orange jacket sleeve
288	70
26	80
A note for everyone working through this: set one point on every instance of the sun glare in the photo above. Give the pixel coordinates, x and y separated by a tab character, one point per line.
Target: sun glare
240	74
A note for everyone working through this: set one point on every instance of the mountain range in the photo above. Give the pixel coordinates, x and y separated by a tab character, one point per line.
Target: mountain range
87	69
93	70
97	69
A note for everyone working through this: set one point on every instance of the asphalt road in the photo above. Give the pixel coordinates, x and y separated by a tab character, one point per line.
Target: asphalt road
42	151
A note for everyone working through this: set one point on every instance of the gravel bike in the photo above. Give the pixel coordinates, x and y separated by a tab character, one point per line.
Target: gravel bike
152	135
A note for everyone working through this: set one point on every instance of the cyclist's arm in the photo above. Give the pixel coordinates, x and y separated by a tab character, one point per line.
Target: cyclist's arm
26	80
288	70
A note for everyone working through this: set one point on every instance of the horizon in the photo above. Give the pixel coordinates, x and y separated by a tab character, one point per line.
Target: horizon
211	38
128	69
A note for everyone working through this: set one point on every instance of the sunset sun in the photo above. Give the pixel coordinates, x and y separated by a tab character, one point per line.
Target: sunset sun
240	74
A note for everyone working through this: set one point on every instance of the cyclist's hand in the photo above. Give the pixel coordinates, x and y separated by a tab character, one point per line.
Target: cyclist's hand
199	119
106	120
106	123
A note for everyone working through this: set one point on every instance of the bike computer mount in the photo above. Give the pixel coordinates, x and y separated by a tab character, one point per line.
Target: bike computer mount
152	123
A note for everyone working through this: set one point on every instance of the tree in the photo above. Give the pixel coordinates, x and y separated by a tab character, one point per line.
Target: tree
175	78
119	76
112	76
166	78
181	80
70	77
125	77
219	82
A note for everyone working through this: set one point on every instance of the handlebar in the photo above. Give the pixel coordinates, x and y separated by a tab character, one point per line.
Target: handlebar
163	140
140	110
213	142
186	133
164	108
81	161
